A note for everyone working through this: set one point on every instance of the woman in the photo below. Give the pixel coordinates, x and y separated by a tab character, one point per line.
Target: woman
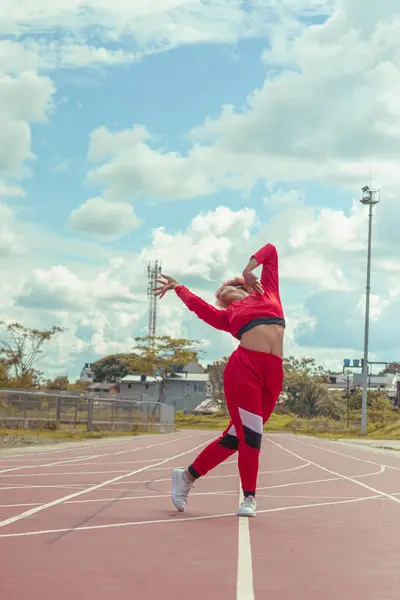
253	377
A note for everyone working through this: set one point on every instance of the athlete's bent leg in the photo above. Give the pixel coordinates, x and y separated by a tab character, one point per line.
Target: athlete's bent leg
213	454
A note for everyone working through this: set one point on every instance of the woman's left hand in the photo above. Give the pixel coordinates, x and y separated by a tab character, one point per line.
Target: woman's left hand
252	281
167	283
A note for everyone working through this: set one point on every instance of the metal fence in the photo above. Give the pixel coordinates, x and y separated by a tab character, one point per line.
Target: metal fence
34	409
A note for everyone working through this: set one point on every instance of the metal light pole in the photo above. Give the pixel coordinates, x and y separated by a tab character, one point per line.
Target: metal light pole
370	198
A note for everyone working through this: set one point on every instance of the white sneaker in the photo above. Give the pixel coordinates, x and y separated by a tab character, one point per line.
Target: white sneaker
248	507
180	489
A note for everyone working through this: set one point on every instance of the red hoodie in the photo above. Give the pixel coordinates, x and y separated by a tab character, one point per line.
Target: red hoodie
255	309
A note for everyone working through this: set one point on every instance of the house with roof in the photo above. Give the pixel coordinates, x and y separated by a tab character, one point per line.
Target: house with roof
87	373
183	391
388	383
103	388
140	387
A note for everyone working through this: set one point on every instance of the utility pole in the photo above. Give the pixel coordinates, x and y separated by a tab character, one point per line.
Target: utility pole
153	271
369	198
348	372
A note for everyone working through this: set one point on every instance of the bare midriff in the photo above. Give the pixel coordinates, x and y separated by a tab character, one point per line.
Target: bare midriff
264	338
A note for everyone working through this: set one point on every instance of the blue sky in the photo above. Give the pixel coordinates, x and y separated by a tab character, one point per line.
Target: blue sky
194	133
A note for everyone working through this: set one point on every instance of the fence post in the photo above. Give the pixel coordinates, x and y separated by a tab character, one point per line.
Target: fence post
58	410
90	414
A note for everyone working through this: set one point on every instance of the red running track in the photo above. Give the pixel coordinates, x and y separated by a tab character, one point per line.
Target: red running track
96	522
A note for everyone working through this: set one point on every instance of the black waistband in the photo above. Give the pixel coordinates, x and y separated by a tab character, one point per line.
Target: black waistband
261	321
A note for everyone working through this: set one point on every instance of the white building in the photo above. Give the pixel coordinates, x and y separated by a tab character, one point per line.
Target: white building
193	368
140	387
183	391
387	383
87	373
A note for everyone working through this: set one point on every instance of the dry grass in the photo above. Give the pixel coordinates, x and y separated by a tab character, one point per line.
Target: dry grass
64	434
218	422
290	423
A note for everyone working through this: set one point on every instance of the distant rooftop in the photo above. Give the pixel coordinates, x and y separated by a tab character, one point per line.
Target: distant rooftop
101	386
137	379
190	377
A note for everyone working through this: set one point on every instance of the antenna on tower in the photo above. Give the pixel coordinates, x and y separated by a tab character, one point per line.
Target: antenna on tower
154	271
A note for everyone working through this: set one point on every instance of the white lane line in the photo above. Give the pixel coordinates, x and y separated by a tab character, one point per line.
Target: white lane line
182	520
19	505
109	462
83	446
345	477
37	509
73	460
244	581
44	487
76	487
124	498
62	474
39	454
233	475
219	493
140	481
58	463
371	462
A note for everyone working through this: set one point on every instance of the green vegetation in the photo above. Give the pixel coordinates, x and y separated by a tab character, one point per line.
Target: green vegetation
20	349
160	355
290	423
307	405
65	434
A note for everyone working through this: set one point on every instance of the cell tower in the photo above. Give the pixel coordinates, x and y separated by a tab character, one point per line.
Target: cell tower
154	271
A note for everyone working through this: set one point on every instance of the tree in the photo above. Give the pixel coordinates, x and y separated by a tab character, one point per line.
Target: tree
3	373
216	377
112	367
21	348
306	390
393	369
306	366
79	386
376	400
163	356
59	383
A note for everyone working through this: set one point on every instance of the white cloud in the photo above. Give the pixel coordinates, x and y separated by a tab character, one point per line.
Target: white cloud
128	32
31	54
104	305
11	240
156	23
330	114
10	191
54	289
209	248
59	288
25	97
98	217
328	108
137	168
23	100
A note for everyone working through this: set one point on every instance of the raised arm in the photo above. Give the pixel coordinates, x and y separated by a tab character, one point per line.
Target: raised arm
268	258
206	312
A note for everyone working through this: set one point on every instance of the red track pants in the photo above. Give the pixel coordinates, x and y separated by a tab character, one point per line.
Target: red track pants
252	384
